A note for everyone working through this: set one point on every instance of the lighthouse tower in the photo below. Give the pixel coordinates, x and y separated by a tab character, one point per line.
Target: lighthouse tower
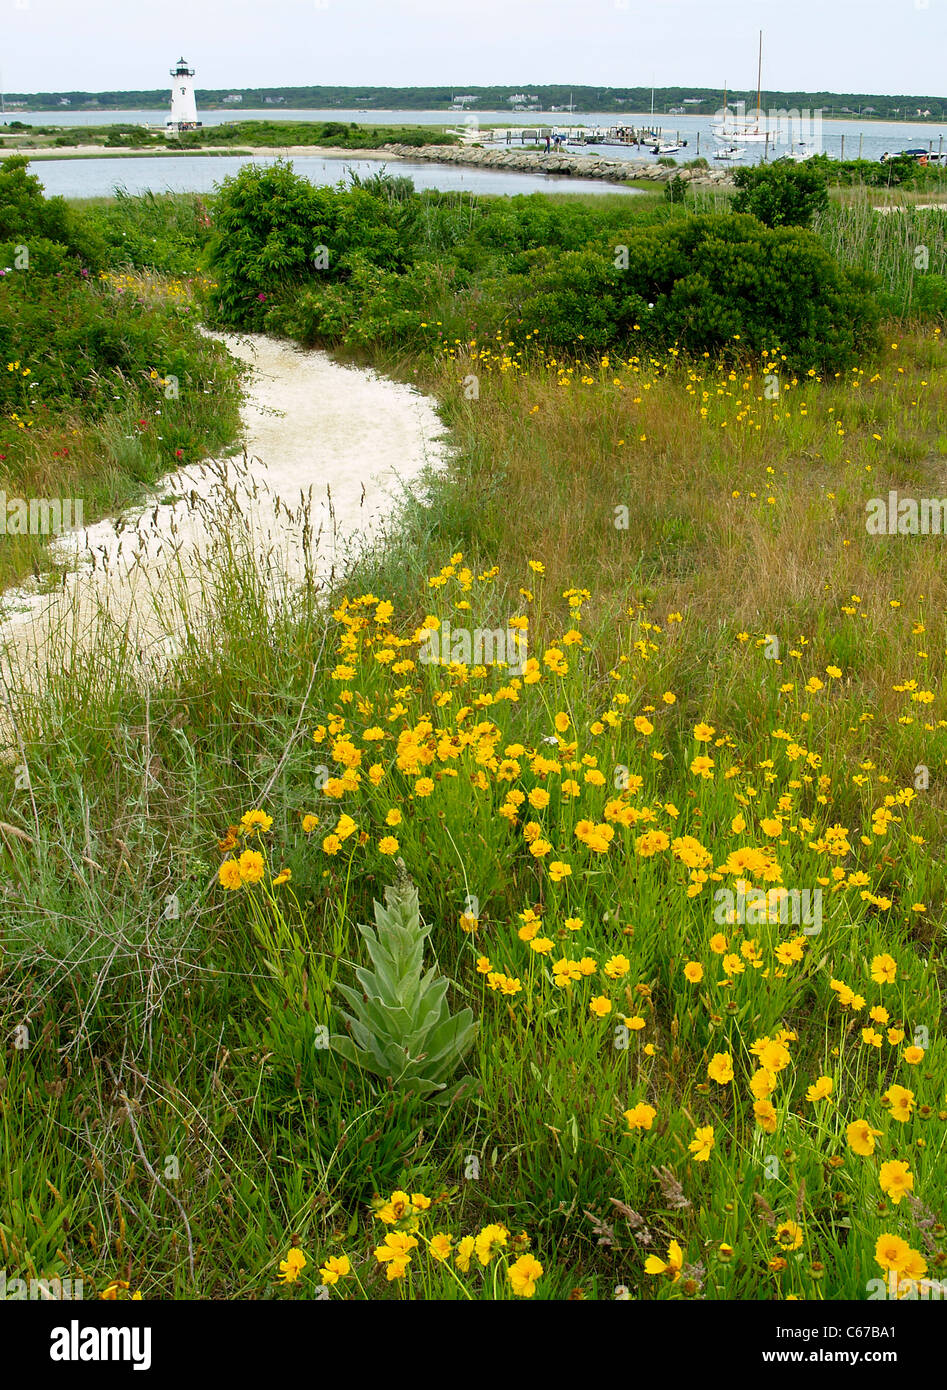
183	105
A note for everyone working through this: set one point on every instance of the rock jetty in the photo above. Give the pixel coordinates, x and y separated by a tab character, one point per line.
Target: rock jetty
569	164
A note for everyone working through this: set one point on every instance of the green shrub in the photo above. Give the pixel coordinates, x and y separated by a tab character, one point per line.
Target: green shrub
371	306
930	296
27	215
716	284
781	195
274	231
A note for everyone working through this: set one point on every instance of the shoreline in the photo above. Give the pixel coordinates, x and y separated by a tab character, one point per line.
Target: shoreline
570	165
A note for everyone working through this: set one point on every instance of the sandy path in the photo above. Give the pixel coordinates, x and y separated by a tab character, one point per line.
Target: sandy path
329	447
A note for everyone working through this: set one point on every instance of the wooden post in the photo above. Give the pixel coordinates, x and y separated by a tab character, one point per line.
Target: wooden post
860	136
843	149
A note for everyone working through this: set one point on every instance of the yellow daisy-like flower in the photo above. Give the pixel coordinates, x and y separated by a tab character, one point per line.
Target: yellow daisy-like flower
672	1266
292	1266
702	1143
861	1137
896	1179
251	866
789	1235
720	1068
441	1246
901	1103
523	1274
255	822
640	1116
230	875
465	1250
335	1268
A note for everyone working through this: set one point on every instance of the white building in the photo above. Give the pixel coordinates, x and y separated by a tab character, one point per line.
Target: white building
183	104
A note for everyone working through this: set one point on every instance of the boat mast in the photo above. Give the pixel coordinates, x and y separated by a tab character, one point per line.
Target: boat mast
759	76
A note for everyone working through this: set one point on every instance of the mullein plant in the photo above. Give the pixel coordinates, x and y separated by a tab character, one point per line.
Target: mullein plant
401	1027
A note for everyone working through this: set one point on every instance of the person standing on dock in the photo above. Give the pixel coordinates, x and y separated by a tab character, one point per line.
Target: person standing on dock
547	144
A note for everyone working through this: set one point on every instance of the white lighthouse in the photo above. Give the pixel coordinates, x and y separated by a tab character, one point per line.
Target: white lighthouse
183	104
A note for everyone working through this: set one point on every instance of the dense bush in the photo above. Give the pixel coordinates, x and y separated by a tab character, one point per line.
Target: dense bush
274	231
396	266
716	284
25	215
781	195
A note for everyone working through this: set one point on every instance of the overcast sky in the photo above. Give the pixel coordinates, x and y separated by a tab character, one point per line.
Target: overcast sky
884	46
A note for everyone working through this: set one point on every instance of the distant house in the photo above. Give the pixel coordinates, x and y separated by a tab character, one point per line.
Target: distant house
464	101
676	111
274	101
868	111
693	101
233	99
64	101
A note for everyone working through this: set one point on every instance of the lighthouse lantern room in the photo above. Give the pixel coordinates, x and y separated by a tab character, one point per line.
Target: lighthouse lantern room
183	104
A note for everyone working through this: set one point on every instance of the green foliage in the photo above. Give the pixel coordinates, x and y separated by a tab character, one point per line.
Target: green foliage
675	190
902	171
83	342
372	306
331	134
26	214
781	195
717	284
400	264
165	232
930	296
401	1028
274	230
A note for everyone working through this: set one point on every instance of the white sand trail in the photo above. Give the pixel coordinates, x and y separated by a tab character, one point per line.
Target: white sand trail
343	437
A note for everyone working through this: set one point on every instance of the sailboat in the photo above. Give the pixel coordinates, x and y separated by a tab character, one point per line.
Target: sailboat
740	127
727	152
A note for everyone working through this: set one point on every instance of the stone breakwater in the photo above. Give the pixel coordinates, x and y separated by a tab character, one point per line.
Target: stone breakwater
586	166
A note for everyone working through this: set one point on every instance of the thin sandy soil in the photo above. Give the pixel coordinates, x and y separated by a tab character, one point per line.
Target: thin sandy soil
329	449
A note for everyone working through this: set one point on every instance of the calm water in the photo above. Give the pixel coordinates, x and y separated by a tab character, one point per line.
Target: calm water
873	138
97	178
